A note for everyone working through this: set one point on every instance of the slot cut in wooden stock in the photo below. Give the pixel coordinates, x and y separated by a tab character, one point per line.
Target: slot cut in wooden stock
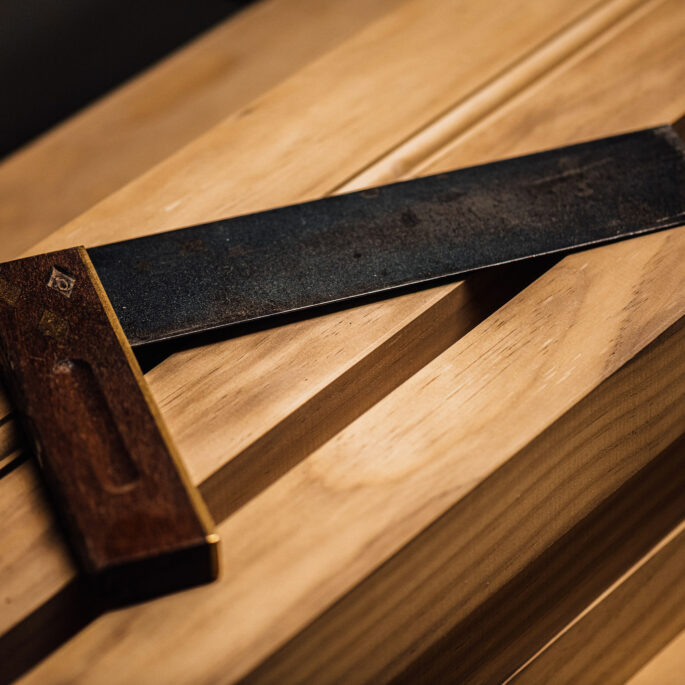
136	524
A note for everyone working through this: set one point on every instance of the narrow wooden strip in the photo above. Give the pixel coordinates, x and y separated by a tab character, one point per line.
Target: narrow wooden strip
298	424
403	160
540	602
229	427
623	628
624	78
97	151
666	668
247	163
495	495
298	362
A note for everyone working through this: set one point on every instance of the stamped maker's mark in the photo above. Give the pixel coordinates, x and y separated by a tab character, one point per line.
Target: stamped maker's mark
61	282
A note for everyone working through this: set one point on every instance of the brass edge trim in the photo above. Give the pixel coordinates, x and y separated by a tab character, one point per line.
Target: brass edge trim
205	518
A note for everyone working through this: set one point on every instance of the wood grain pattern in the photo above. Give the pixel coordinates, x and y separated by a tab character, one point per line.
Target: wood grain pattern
630	72
136	525
413	156
624	627
336	346
425	459
666	668
97	151
282	585
560	584
253	160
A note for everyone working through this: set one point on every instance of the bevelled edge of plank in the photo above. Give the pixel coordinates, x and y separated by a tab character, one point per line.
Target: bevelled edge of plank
622	629
630	71
394	530
666	668
122	135
412	156
136	524
559	585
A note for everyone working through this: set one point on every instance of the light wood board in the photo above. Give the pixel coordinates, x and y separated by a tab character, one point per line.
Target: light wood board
666	668
81	161
318	501
244	148
624	627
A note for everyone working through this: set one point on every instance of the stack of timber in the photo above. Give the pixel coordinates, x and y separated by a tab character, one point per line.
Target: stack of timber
481	481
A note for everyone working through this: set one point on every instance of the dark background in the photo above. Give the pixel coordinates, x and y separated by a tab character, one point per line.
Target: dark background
58	55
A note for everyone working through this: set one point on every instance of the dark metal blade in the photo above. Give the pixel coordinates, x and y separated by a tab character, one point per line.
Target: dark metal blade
452	224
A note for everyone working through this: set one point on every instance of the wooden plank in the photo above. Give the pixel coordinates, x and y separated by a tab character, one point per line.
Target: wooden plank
259	606
443	138
666	668
247	163
624	627
97	151
563	581
349	346
394	530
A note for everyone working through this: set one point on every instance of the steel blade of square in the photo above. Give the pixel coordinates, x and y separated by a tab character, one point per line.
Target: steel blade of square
449	225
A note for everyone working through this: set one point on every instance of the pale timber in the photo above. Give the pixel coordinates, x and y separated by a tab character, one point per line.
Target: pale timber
666	668
255	163
638	344
94	153
414	515
623	628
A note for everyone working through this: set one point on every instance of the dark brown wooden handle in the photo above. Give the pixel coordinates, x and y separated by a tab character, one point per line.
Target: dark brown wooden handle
137	525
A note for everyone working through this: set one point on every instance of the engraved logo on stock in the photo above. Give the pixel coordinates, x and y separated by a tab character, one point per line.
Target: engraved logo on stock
61	282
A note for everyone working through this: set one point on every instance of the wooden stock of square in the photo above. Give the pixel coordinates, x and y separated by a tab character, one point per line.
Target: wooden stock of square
136	524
